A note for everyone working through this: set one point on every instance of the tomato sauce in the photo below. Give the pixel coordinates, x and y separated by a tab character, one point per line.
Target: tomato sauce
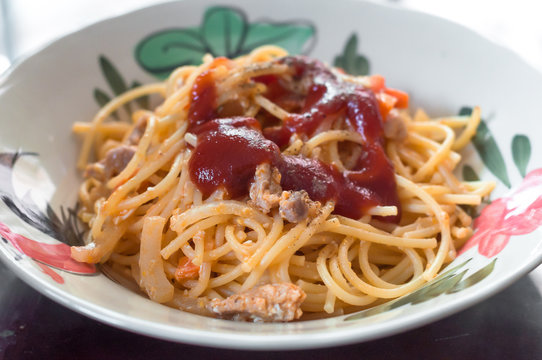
202	100
230	149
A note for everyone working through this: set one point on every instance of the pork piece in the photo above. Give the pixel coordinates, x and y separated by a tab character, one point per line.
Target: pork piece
265	190
95	171
295	206
268	303
266	194
138	131
114	162
395	127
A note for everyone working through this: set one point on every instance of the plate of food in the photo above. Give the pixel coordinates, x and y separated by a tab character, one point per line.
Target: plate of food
238	176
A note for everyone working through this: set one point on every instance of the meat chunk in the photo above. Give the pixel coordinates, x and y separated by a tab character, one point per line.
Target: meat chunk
295	206
266	194
265	190
267	303
95	171
394	127
114	162
138	131
186	270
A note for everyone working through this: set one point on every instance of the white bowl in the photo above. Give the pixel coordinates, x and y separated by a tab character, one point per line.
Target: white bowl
442	65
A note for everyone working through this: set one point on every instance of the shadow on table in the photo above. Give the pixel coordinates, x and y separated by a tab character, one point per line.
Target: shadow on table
507	326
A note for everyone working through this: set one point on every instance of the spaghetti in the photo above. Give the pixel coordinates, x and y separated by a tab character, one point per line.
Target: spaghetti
268	185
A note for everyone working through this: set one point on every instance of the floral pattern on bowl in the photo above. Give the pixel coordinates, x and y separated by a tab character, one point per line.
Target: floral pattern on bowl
519	213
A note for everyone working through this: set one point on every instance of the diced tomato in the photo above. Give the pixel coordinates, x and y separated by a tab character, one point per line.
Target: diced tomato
401	96
378	83
385	104
186	270
221	60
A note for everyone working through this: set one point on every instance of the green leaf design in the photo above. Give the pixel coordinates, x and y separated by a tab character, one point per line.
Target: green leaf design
114	78
474	278
437	288
469	174
162	52
452	270
350	61
521	152
487	148
224	31
471	211
112	75
294	38
102	98
142	101
448	282
118	85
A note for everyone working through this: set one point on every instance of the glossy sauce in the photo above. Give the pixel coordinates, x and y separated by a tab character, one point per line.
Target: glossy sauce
327	98
227	154
202	100
229	150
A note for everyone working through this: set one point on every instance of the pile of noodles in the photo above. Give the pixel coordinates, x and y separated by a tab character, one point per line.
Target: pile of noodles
150	223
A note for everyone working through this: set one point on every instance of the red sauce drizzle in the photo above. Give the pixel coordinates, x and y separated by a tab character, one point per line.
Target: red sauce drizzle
229	150
202	100
227	154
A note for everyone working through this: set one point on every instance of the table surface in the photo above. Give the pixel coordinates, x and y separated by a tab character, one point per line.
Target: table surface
506	326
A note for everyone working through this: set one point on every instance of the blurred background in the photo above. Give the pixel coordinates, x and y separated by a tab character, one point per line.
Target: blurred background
28	24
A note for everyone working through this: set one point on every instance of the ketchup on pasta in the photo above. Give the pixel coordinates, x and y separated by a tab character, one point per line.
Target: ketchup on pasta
229	150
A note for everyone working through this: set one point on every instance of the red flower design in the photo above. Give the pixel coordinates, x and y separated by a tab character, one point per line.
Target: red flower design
518	213
56	255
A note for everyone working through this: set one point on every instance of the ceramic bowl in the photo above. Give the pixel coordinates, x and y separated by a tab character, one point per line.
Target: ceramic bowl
445	67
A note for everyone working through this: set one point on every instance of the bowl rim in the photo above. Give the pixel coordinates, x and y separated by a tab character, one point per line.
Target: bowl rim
251	341
247	340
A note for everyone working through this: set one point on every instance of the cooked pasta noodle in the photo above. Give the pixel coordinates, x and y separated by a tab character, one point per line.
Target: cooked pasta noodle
193	248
